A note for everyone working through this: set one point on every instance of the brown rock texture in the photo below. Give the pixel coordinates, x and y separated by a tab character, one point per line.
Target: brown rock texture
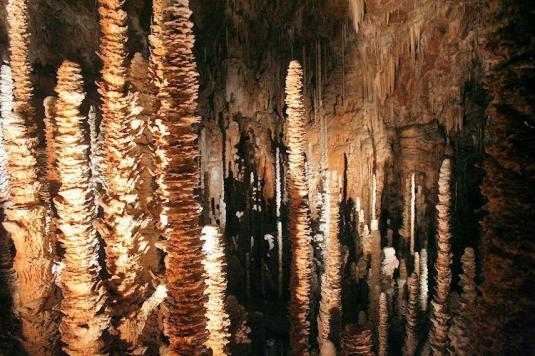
357	340
85	315
383	326
506	308
123	219
299	230
179	178
438	336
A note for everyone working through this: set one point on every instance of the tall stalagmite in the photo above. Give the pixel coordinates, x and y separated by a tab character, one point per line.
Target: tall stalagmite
460	334
331	283
85	317
299	229
123	220
25	217
424	274
216	279
411	326
179	177
439	315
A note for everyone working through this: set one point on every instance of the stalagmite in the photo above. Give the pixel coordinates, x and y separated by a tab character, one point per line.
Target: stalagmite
96	156
413	214
6	105
401	290
50	139
460	331
383	326
123	219
140	84
214	264
439	315
239	329
331	288
423	280
357	340
179	177
411	326
299	229
85	315
25	217
375	273
278	202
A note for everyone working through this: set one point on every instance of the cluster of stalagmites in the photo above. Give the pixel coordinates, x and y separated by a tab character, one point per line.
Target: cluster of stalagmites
149	137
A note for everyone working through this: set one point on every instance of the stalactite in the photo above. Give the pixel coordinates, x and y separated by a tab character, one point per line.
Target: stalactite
179	177
214	264
25	217
331	288
278	202
439	315
423	280
123	219
411	326
383	326
357	340
299	229
358	8
373	212
85	317
460	335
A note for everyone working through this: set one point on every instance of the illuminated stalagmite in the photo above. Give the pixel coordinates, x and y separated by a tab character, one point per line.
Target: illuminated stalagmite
85	317
299	229
460	331
216	279
411	326
25	217
424	273
179	177
123	220
50	137
439	315
331	288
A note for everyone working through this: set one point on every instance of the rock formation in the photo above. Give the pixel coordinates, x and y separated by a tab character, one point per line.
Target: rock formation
383	326
438	335
83	306
179	177
411	326
299	229
357	340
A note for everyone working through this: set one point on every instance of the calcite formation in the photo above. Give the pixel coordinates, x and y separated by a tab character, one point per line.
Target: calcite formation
299	230
357	340
438	335
331	281
460	333
411	326
179	177
423	279
216	285
383	326
123	218
83	306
